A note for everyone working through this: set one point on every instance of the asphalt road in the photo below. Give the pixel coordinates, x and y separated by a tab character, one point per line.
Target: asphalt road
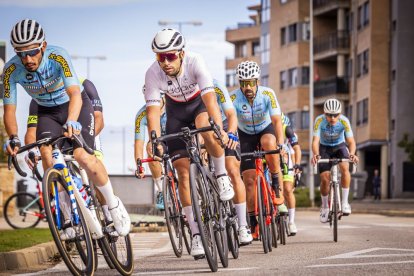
368	244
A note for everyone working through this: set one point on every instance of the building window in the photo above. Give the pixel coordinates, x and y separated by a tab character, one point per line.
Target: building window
304	118
349	21
241	50
292	118
264	80
304	75
348	112
393	75
348	68
283	36
283	80
265	45
293	77
305	31
230	78
255	48
363	15
363	63
292	33
265	10
362	112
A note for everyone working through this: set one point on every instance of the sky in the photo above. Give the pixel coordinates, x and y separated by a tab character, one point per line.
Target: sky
122	31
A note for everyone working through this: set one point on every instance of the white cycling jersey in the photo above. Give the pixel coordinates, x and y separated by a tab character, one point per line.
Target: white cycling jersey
193	79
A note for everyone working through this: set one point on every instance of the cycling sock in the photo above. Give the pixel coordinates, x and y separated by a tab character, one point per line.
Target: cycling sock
64	204
219	165
291	215
345	193
253	219
188	210
158	184
275	181
324	201
241	213
108	194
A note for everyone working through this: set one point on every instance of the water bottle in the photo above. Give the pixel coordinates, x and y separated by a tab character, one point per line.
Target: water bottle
57	159
78	182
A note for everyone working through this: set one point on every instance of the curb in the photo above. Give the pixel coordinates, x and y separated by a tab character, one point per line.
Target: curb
144	229
27	257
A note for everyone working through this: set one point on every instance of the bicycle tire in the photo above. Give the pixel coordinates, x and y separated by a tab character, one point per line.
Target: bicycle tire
199	192
268	225
282	231
335	215
220	233
186	235
232	231
53	175
274	232
172	217
261	217
12	217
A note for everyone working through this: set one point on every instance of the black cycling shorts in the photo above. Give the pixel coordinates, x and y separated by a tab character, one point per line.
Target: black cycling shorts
51	120
249	143
179	115
339	151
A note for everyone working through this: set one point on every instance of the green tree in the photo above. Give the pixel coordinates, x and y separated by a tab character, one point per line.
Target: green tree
408	147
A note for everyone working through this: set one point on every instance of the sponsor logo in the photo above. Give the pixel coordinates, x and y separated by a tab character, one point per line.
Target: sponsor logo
220	94
345	124
92	125
244	107
169	82
63	63
138	121
29	76
207	89
318	122
32	119
6	79
272	98
233	97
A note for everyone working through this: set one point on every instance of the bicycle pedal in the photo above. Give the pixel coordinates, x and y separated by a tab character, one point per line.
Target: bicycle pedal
345	214
199	257
292	234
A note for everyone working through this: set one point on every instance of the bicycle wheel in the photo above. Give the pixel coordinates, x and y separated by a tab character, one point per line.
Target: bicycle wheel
173	216
202	203
78	252
274	232
335	214
232	231
286	219
262	217
268	221
22	210
186	235
220	233
282	231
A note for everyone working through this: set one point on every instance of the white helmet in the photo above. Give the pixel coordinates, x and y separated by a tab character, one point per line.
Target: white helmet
332	106
168	40
248	70
27	32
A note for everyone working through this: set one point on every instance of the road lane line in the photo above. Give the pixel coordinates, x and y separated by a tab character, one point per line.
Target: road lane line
357	254
192	271
360	264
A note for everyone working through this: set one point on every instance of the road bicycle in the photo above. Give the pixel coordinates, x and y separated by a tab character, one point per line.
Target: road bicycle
203	188
85	217
334	199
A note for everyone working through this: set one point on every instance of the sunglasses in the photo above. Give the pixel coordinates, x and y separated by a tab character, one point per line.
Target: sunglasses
331	115
161	57
245	83
31	52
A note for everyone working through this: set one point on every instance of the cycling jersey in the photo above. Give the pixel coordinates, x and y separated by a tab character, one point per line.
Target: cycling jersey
47	85
91	92
254	119
223	98
193	79
141	123
332	135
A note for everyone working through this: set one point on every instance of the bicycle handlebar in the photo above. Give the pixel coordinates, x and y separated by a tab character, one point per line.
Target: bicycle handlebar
333	161
32	158
260	153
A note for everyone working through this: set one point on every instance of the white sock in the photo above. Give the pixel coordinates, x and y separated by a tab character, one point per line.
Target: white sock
291	215
345	193
108	194
64	204
106	212
324	201
219	165
158	184
241	213
188	210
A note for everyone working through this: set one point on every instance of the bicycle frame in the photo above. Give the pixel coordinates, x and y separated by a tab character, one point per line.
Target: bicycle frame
265	187
334	184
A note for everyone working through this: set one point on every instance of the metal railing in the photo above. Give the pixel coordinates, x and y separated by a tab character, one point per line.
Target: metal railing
331	41
331	86
323	3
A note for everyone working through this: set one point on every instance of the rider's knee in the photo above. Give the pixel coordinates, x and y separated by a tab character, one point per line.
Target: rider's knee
83	157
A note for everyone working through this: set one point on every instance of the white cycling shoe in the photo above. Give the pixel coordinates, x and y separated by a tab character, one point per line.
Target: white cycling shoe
197	248
67	234
346	209
292	228
323	217
225	187
121	219
245	235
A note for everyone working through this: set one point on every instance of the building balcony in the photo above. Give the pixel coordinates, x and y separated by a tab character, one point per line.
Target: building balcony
329	7
243	33
333	86
329	45
231	63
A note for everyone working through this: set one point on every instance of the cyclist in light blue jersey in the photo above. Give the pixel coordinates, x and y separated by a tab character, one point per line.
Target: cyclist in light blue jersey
330	132
47	75
260	126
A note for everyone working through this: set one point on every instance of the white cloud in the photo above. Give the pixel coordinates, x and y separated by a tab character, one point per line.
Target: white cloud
65	3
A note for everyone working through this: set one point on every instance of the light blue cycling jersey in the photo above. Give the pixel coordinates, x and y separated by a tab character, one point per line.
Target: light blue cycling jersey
254	119
47	85
332	135
223	98
141	123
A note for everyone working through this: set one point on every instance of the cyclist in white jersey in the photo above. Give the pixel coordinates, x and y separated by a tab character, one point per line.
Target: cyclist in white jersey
190	98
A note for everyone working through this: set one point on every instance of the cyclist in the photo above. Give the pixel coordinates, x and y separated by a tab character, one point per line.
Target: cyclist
330	132
47	75
184	78
292	158
260	124
155	167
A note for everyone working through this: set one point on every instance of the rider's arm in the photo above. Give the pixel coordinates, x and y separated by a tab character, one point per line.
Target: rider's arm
30	136
277	125
10	121
351	145
298	154
99	122
75	102
231	120
275	114
140	125
315	145
93	95
10	99
212	107
138	149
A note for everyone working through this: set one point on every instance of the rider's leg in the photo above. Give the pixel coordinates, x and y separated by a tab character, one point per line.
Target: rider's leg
156	170
324	188
233	169
249	176
345	180
290	199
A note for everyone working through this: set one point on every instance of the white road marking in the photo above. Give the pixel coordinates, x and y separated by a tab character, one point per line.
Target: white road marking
358	254
194	271
360	264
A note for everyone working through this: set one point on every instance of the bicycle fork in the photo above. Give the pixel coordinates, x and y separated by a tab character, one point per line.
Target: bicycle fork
335	185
